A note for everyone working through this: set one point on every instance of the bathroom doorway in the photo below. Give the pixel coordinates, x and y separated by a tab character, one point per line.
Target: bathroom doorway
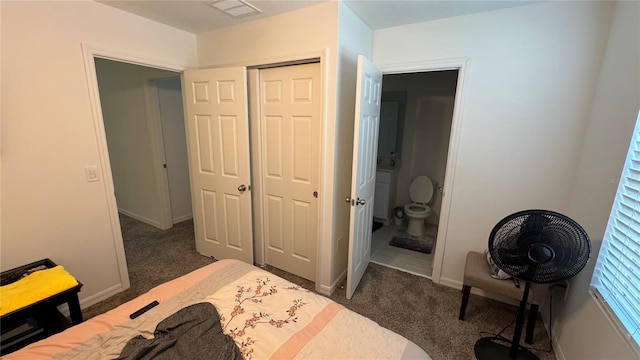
415	141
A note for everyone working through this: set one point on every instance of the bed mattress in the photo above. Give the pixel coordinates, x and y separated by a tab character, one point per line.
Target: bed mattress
266	316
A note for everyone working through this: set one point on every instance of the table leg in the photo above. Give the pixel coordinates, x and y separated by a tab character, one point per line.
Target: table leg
74	310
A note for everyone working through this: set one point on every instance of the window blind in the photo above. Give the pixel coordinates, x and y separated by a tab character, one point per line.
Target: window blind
616	278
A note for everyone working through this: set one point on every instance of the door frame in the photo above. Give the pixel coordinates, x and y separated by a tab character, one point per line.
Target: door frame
462	65
89	53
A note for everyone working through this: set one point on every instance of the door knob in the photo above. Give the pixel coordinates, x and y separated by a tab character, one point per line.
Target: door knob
360	202
347	199
242	188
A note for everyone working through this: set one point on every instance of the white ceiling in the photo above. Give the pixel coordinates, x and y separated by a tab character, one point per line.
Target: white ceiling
197	17
380	14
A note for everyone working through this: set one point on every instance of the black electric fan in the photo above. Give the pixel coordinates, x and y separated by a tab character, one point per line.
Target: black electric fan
537	246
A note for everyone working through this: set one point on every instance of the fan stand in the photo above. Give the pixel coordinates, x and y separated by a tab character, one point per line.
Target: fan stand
488	349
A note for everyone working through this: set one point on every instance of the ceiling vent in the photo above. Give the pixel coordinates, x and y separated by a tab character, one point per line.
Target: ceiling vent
235	8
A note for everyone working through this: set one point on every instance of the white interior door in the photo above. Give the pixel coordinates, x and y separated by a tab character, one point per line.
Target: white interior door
363	173
290	123
217	128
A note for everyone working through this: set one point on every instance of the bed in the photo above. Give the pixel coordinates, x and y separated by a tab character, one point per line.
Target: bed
265	316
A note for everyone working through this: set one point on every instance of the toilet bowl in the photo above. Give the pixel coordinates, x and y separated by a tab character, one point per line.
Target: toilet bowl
420	192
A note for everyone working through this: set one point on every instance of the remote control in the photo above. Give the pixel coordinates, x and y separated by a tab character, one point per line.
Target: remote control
143	310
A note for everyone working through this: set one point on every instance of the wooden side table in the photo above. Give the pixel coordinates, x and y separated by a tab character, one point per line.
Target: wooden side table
40	319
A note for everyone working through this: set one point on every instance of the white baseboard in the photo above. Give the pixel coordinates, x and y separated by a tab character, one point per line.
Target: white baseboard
182	218
93	299
328	290
145	220
401	269
451	283
102	295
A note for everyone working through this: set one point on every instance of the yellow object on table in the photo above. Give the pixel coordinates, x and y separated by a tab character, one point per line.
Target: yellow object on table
34	287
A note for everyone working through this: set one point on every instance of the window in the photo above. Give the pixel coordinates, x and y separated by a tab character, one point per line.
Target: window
616	279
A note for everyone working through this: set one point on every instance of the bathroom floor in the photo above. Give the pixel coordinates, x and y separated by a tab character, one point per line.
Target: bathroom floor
413	262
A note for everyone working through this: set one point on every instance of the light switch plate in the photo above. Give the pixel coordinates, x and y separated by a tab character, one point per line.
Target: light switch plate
91	171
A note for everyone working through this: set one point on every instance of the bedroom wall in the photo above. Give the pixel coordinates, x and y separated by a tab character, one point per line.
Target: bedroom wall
532	72
126	122
48	134
580	327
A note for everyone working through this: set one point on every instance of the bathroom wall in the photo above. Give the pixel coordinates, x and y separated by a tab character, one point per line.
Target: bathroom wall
427	127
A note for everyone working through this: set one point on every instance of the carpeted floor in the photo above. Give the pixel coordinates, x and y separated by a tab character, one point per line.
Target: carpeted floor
153	256
415	307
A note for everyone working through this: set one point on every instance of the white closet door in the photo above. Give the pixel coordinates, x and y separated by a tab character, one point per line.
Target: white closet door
290	115
218	148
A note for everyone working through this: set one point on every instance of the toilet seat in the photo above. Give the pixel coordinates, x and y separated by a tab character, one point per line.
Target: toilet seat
416	209
420	192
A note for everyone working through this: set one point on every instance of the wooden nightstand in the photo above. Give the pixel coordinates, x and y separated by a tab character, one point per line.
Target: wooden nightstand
40	319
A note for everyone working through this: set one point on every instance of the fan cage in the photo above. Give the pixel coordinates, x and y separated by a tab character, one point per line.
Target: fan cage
539	246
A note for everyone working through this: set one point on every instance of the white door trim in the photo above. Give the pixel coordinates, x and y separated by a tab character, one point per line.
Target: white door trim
462	65
255	129
89	53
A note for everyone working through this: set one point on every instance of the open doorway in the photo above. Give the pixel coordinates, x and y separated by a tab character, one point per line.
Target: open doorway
144	127
143	120
415	133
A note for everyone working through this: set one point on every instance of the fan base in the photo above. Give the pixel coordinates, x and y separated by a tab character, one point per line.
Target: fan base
487	349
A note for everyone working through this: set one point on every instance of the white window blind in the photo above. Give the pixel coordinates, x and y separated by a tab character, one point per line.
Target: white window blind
616	278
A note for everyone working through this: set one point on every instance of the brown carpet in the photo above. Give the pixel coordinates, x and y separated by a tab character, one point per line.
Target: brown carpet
415	307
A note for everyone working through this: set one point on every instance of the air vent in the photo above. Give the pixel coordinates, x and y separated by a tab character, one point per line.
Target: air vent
235	8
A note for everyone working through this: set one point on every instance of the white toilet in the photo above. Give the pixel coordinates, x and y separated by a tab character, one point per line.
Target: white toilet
420	192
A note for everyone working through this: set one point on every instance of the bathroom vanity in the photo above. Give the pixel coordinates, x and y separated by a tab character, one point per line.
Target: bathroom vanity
385	195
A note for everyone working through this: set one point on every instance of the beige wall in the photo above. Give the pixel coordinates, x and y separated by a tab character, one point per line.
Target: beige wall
543	125
526	98
48	133
580	326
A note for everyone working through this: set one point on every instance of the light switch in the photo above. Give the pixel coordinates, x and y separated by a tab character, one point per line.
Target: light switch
91	171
